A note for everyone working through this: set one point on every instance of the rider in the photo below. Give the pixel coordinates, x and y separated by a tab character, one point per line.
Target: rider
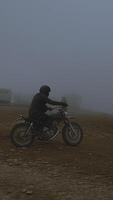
38	107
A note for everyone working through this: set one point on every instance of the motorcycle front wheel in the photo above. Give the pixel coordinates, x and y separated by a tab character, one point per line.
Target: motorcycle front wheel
19	137
72	134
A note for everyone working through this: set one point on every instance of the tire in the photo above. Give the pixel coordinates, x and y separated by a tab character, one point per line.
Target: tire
70	138
18	137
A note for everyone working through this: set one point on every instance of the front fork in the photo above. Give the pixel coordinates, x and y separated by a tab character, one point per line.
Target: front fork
68	123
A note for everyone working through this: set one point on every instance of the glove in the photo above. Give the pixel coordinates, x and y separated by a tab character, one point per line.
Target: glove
64	104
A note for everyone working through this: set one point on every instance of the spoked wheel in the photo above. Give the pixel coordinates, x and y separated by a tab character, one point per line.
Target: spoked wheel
21	136
72	134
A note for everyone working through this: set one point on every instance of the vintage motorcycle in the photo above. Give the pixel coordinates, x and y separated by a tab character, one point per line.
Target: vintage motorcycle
25	130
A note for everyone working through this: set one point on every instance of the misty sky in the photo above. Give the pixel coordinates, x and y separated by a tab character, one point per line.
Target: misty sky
67	44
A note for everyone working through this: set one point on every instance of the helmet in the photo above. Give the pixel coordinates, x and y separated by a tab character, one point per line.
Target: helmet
45	90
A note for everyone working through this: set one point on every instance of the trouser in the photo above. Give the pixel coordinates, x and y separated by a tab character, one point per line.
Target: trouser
45	120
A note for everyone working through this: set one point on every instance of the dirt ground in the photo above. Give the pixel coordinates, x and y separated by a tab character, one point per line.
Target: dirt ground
54	171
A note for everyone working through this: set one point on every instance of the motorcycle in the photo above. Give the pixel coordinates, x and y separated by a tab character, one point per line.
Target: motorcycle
25	130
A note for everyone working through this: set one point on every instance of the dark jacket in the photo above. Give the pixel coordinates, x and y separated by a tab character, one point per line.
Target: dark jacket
38	105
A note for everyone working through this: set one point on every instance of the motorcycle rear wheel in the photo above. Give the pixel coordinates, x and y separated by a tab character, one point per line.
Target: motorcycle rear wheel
18	136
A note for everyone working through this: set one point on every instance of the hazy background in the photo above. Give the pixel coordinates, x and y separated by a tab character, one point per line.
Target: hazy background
67	44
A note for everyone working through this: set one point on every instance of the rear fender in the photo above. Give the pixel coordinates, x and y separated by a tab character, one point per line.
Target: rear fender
19	122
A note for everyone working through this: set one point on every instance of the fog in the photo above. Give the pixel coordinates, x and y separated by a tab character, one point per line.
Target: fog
67	44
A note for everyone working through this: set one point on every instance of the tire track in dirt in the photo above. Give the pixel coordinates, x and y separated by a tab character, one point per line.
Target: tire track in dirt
48	182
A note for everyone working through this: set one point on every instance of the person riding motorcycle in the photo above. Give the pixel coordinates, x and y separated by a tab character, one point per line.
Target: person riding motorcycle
38	107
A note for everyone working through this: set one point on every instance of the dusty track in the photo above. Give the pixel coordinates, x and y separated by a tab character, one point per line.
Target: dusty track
54	171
